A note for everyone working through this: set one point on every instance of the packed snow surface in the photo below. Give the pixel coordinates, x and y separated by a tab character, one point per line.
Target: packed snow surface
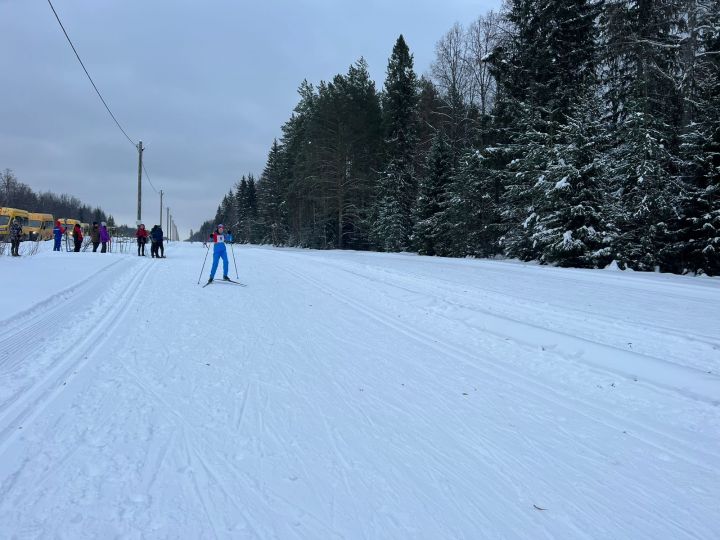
355	395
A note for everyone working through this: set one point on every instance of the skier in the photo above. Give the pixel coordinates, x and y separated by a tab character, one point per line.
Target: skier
95	236
219	250
104	237
58	232
142	236
77	237
15	236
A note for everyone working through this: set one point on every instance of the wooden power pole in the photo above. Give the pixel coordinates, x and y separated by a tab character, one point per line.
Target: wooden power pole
139	204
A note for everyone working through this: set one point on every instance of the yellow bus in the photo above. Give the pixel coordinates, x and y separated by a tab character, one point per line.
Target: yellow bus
6	217
40	226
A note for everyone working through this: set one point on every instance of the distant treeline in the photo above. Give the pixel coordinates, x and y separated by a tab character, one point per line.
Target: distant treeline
570	132
15	194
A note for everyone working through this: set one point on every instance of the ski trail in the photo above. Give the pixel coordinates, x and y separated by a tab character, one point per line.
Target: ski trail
531	386
31	401
511	305
49	308
700	384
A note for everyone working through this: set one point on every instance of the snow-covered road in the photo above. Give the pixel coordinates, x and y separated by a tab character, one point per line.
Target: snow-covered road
357	395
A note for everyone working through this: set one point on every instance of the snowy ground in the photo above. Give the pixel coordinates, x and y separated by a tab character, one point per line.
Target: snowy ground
355	395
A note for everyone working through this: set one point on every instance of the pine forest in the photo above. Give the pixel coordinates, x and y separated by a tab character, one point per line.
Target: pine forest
568	132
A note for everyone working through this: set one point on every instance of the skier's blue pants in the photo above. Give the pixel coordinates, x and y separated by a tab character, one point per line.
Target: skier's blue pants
219	251
56	246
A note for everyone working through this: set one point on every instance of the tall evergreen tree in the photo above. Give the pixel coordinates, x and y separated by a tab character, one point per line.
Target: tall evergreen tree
433	186
469	219
241	204
542	68
345	135
252	207
397	188
697	233
572	226
272	207
648	200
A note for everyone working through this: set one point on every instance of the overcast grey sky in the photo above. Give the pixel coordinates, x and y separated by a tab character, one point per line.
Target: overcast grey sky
205	85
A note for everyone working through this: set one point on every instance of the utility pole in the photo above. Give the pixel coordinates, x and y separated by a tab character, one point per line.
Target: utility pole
139	205
161	196
167	217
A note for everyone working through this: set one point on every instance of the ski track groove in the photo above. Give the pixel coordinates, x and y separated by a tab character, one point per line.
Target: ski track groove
55	303
34	399
199	494
240	409
261	491
26	333
532	386
530	305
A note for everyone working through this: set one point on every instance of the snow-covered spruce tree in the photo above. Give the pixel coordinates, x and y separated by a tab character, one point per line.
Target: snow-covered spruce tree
647	195
241	235
524	180
272	207
697	233
469	221
431	193
571	226
252	207
542	69
397	185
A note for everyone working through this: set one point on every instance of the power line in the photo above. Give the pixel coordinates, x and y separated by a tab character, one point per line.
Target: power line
148	179
89	77
147	176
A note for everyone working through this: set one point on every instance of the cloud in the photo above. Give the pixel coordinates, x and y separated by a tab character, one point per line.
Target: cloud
205	86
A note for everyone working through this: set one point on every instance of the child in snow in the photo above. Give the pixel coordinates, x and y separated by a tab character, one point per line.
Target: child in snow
77	237
58	232
157	235
15	237
220	251
104	237
142	236
95	236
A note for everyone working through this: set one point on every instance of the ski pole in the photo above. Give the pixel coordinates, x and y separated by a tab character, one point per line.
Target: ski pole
234	261
203	268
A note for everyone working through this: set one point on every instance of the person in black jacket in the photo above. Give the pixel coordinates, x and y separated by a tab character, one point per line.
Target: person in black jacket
95	236
157	250
15	237
77	237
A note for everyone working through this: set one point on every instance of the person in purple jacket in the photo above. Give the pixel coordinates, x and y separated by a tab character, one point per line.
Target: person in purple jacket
104	237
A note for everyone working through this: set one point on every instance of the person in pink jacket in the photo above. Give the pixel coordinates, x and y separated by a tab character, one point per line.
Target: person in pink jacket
104	237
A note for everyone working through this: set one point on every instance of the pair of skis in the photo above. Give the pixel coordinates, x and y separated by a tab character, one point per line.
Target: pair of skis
229	281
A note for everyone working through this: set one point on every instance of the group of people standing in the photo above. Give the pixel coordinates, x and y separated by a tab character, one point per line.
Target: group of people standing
156	235
98	235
